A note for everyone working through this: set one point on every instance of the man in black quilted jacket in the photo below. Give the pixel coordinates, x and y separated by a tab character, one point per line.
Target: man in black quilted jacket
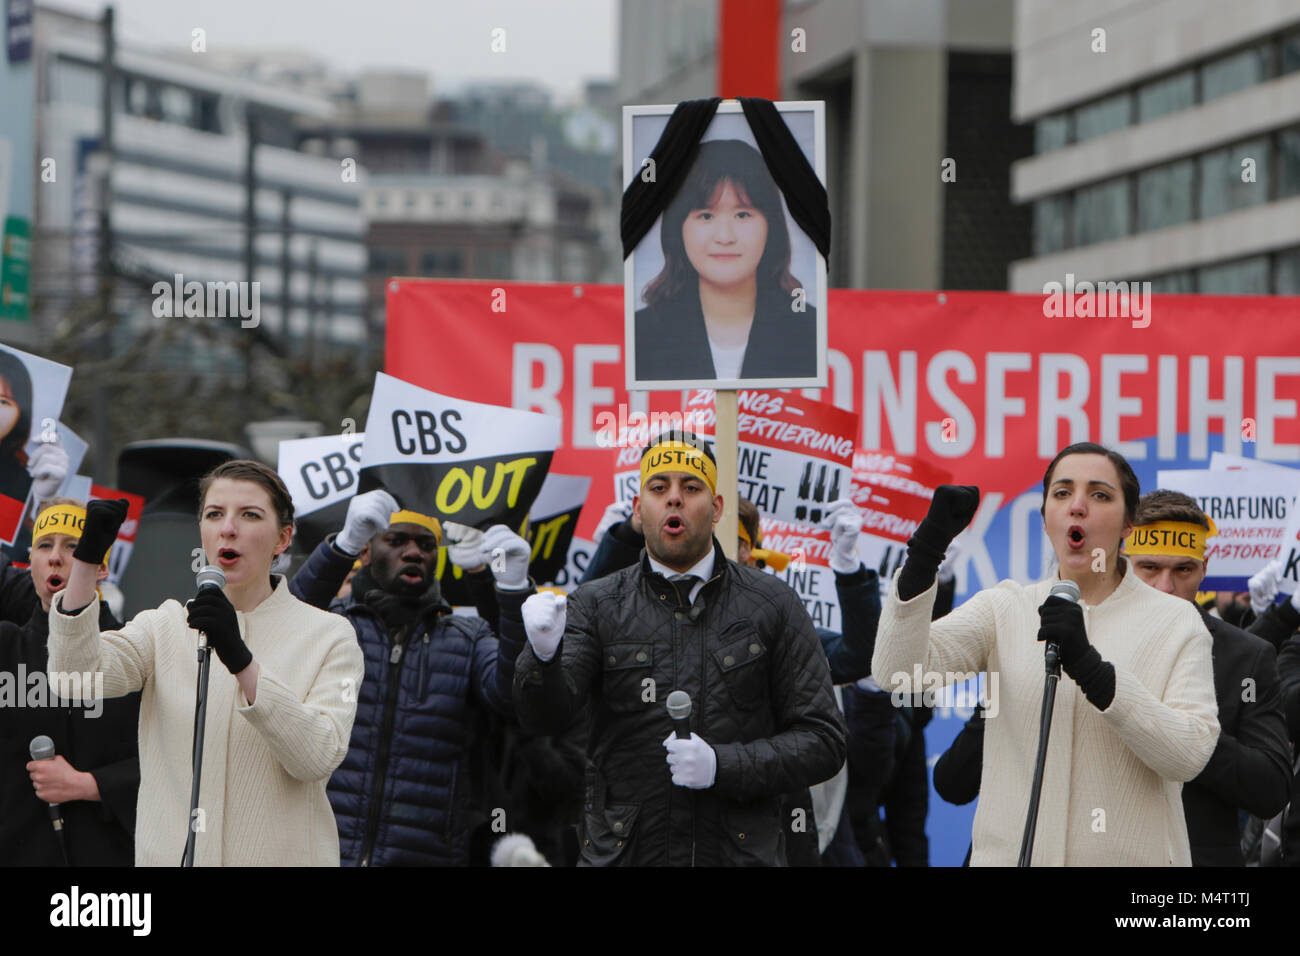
738	641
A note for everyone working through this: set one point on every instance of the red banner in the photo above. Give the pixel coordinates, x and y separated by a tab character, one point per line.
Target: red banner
986	386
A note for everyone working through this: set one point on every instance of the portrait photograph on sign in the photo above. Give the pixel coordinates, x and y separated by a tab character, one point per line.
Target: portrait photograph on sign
725	290
32	390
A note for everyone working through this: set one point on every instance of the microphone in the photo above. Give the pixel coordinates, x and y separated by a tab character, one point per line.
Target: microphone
1070	591
679	709
42	748
209	576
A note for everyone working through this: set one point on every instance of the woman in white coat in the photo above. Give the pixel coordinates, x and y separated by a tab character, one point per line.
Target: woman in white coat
279	713
1135	711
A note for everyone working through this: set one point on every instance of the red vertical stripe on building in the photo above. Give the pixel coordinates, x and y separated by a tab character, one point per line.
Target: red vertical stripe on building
749	51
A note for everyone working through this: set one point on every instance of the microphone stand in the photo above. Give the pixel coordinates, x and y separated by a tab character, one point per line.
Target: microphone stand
1053	663
200	720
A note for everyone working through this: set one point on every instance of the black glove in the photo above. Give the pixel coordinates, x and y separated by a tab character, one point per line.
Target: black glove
951	510
1062	623
213	614
103	519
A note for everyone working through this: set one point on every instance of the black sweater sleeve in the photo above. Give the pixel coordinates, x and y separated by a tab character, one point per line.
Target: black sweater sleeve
957	772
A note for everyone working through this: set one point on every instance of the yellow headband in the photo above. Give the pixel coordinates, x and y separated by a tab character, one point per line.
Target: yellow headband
1174	538
679	456
62	519
775	559
414	517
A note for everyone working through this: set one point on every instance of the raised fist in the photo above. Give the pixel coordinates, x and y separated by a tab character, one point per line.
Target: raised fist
544	617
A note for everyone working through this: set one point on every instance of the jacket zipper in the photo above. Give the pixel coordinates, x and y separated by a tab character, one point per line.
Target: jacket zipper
386	734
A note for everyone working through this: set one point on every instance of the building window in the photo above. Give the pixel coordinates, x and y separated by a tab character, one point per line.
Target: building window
387	261
1286	272
1051	132
1164	195
439	201
442	262
1168	95
1291	52
1104	116
1242	277
1101	212
207	115
412	200
1288	167
1234	72
1049	225
177	105
1175	283
1222	186
467	201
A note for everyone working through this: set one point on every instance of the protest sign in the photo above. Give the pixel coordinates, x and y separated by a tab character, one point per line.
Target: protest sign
322	475
1251	509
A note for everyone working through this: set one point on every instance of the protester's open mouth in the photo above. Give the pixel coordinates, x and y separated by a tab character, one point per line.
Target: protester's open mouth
54	583
226	557
412	574
1075	537
673	525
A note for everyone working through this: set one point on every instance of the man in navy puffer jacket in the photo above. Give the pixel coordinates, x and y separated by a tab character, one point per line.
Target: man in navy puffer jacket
402	796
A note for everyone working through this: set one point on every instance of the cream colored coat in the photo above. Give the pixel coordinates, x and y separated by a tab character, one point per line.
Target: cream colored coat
265	765
1113	779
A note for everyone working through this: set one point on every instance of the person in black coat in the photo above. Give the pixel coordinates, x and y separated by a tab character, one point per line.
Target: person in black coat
95	774
764	721
1250	768
847	652
725	305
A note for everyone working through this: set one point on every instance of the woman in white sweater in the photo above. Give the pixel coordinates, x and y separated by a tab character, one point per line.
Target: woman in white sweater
1135	711
279	713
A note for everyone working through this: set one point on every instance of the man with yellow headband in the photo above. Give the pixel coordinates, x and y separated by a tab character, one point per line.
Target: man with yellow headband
95	773
1250	767
401	795
739	642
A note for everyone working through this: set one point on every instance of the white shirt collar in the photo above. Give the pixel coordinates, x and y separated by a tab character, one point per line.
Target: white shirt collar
703	568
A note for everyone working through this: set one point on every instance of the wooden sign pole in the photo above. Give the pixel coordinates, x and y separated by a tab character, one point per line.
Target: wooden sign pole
724	447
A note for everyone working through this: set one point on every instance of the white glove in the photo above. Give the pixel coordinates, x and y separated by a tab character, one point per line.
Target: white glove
464	546
1263	586
948	569
368	515
544	618
508	555
693	762
48	467
618	511
845	521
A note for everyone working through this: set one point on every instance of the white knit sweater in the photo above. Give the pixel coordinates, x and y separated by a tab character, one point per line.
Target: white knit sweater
265	765
1113	779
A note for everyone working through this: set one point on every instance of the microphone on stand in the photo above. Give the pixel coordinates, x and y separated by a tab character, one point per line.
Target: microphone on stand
1070	591
679	709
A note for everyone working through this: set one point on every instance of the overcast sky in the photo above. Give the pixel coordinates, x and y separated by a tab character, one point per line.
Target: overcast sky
559	43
